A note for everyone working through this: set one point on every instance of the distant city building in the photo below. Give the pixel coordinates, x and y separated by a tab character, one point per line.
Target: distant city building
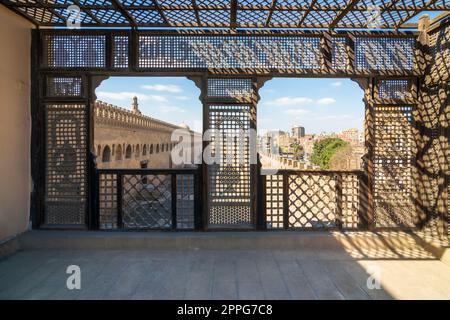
350	135
298	132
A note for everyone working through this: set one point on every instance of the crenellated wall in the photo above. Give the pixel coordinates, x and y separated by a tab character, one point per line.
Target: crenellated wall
126	139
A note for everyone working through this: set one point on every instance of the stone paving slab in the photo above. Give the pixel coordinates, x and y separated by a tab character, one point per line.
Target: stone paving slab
218	274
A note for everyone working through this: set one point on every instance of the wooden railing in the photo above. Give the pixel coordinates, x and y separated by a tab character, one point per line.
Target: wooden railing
301	199
170	199
147	199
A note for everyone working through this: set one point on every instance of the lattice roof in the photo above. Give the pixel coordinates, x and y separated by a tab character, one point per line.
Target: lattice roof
349	14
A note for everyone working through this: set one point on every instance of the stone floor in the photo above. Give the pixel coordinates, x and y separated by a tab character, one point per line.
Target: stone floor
219	274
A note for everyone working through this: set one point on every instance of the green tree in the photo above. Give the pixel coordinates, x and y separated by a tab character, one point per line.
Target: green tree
298	150
324	149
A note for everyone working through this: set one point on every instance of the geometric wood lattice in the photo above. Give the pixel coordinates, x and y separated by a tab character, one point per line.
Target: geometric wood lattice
204	14
312	200
393	159
133	200
66	165
360	53
229	179
147	201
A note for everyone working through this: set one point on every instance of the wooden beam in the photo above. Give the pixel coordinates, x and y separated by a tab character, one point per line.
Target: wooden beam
269	15
343	14
88	12
387	8
119	7
197	15
160	11
414	13
302	19
233	14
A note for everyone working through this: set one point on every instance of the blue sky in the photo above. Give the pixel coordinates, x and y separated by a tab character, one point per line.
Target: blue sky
320	105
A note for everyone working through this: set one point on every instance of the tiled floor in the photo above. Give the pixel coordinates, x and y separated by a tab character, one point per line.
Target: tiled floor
224	274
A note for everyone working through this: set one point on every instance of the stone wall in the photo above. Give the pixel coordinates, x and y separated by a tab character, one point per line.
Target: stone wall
432	119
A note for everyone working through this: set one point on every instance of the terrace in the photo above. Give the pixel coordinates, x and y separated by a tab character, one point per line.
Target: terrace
229	49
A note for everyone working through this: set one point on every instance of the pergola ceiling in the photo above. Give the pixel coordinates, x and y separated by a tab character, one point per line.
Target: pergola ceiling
349	14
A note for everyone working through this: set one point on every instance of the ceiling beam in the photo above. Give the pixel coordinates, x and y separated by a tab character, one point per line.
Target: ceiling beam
303	18
119	7
160	11
414	13
269	15
342	14
197	14
233	14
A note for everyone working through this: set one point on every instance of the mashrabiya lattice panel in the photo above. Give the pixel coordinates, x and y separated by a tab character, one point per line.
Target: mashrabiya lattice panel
147	201
230	88
350	200
108	201
274	201
394	89
229	196
385	53
64	86
185	201
312	201
74	51
229	52
120	51
393	160
66	164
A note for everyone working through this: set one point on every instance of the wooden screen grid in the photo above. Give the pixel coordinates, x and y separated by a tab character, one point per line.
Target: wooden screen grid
226	14
312	201
64	86
147	201
274	201
229	180
120	51
74	51
350	200
66	165
393	160
271	52
384	53
394	89
185	201
108	201
229	88
339	53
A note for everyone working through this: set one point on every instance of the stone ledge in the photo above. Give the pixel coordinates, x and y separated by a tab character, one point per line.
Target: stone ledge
9	246
355	244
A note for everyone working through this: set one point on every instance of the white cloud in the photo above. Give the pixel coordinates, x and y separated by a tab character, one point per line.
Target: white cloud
126	95
163	87
326	101
336	84
290	101
168	109
184	98
334	117
296	112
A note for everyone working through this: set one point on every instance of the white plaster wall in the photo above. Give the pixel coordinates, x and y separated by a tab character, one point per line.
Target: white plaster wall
15	123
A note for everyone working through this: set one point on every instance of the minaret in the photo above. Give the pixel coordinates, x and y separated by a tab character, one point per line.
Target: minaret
135	106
